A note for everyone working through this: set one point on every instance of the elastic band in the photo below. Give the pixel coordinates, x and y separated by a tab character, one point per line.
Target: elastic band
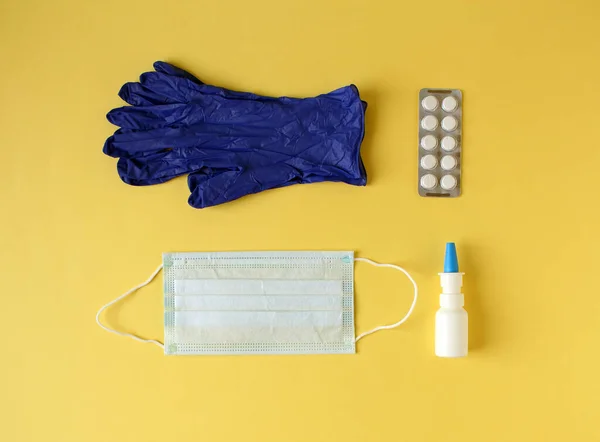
129	292
410	310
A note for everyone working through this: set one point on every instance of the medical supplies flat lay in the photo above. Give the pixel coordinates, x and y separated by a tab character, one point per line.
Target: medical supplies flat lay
451	320
440	142
259	302
233	143
237	143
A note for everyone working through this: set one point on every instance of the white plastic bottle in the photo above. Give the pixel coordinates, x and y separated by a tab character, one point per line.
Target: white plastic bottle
451	320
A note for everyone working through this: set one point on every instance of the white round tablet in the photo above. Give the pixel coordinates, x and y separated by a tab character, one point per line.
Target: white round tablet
448	162
430	103
448	143
428	181
449	104
448	182
429	123
449	123
429	142
428	162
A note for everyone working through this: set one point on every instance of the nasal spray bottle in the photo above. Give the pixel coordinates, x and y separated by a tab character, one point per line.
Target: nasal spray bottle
451	320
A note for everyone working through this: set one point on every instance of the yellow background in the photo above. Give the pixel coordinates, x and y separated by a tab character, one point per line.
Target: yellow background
73	236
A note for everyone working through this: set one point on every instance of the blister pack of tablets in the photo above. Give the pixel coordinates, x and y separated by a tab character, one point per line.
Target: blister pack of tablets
440	142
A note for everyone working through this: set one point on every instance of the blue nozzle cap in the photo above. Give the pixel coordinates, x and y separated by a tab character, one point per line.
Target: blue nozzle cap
450	261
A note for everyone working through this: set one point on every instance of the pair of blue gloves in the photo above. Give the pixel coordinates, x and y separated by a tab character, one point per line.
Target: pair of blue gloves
233	143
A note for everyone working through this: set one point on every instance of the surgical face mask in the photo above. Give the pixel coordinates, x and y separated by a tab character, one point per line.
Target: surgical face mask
259	302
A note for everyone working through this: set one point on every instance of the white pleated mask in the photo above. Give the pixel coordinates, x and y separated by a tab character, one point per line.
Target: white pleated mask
259	302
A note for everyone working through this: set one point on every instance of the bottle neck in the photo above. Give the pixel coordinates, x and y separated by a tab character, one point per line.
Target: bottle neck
451	282
452	300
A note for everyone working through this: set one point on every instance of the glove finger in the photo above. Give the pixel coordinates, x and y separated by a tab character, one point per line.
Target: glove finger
234	184
136	149
167	164
174	71
118	144
168	69
184	90
158	92
178	89
137	173
126	143
148	117
137	95
203	108
163	92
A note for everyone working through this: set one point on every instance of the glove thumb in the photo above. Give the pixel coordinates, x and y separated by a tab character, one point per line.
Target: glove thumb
233	184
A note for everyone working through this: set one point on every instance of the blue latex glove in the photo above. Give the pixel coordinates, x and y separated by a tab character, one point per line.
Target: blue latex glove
235	143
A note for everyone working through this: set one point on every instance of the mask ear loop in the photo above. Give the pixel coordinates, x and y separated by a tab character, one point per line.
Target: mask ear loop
410	310
127	293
